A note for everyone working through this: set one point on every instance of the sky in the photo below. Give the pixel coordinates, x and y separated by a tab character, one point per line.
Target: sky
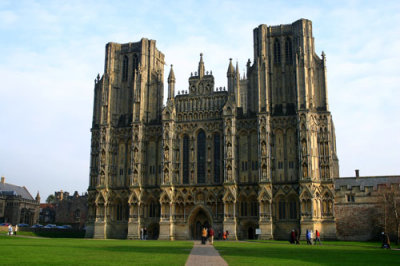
51	52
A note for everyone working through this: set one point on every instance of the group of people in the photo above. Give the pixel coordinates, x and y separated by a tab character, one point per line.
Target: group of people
143	233
11	231
295	237
209	233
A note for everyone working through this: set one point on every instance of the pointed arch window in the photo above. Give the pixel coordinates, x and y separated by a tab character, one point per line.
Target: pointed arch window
277	52
185	160
201	157
288	51
135	61
292	209
125	68
282	209
217	158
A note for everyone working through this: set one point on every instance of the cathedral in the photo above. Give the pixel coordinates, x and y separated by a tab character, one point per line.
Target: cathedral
256	159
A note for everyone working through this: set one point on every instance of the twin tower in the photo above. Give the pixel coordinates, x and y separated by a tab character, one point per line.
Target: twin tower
259	155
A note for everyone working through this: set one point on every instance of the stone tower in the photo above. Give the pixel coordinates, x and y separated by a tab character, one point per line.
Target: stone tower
259	154
127	102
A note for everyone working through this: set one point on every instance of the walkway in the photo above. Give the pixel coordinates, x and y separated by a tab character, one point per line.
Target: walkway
204	255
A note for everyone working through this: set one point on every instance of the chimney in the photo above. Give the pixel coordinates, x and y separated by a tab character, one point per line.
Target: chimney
357	173
3	179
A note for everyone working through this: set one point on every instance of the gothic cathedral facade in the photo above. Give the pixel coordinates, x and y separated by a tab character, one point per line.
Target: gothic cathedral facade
260	154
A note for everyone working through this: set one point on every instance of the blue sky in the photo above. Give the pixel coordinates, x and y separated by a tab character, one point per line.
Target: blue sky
51	51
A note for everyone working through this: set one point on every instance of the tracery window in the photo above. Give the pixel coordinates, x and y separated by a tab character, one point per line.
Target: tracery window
288	51
118	212
125	69
243	208
282	209
201	157
292	210
135	61
185	159
217	158
254	208
277	52
154	209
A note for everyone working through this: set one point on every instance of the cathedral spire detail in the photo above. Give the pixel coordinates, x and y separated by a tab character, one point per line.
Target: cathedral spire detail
201	66
171	83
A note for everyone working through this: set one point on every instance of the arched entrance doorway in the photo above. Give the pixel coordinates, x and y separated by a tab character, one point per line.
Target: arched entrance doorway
153	231
250	233
199	219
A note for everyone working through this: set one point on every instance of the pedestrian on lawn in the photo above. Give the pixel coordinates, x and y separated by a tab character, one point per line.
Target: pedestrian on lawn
308	237
211	234
203	236
317	237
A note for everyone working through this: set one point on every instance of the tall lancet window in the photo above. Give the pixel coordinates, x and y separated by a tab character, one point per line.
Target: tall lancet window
125	68
217	158
201	157
277	52
135	61
288	51
185	160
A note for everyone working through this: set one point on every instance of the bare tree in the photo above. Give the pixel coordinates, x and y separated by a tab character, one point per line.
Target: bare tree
390	196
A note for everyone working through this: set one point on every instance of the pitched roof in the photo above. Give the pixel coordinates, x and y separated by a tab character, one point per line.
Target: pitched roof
9	189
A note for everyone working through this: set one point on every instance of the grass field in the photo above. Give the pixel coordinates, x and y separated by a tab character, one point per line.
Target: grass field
283	253
58	251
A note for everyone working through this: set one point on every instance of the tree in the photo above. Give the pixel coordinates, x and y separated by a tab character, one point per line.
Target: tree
51	199
390	196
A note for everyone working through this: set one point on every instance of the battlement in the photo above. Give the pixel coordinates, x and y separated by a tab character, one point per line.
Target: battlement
364	183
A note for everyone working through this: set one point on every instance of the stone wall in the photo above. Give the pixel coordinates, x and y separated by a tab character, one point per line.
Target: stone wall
359	206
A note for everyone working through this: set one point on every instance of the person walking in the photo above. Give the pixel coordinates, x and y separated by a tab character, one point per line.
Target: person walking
292	237
227	234
308	237
385	241
145	233
15	229
9	229
224	235
203	236
317	237
211	234
297	235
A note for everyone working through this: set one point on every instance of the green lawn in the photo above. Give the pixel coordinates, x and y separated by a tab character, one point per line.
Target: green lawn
63	251
57	251
283	253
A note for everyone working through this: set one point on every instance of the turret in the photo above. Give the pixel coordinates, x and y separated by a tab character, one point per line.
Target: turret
231	76
37	197
237	86
201	66
171	84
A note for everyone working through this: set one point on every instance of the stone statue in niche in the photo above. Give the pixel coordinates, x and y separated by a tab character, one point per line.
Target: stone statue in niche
229	174
229	151
135	177
264	173
166	155
263	150
305	170
303	147
166	177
